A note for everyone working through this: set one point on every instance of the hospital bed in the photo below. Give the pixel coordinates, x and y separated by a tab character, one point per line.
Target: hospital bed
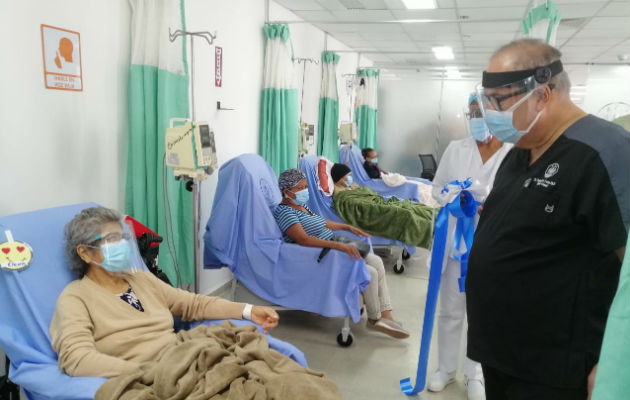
352	157
243	235
321	204
28	298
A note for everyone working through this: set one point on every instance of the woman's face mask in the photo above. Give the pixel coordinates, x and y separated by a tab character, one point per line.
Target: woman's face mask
116	256
301	197
479	130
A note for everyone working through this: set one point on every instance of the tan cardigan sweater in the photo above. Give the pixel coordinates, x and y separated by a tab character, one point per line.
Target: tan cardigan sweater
95	333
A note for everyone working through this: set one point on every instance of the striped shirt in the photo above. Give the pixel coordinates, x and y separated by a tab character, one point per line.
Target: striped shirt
313	224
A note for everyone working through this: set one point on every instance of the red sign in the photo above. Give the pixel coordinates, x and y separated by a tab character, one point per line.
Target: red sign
218	66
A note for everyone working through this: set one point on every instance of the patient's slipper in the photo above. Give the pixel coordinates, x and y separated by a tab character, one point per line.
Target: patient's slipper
389	328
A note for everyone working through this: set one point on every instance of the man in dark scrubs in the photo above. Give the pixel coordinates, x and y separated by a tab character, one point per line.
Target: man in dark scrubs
545	261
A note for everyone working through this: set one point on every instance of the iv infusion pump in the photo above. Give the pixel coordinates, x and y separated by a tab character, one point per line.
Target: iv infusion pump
190	149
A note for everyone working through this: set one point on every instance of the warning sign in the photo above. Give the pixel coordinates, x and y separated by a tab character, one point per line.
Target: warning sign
61	50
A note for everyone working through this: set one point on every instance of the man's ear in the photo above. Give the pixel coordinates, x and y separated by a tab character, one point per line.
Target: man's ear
544	97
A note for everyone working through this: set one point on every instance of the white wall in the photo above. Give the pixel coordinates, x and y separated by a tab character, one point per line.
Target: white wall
408	111
61	147
239	26
408	120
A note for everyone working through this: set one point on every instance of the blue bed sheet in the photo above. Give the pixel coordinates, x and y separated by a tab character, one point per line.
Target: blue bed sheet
243	235
28	299
352	157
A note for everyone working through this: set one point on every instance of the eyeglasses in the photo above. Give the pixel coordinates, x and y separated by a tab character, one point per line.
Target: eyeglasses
111	237
496	100
474	114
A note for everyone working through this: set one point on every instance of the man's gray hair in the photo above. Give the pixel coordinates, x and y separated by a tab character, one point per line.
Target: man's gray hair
534	53
83	229
289	178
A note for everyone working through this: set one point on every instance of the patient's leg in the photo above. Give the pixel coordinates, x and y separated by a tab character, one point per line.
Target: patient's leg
385	304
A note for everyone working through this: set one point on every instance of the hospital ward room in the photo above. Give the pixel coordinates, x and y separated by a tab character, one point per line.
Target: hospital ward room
315	199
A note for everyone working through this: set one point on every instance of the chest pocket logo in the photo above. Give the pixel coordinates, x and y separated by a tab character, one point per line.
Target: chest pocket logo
549	208
552	169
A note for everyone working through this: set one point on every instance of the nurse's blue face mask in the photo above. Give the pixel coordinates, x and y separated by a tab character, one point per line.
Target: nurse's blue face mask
349	180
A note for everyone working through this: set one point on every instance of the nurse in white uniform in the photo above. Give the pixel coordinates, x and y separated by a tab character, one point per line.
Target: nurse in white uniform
477	157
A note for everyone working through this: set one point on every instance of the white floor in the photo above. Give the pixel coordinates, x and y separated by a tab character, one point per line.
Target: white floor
372	367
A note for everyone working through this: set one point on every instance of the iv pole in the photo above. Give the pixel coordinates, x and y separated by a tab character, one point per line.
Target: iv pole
193	183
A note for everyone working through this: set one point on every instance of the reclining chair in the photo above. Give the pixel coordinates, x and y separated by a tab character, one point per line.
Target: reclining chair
243	235
322	205
352	157
28	298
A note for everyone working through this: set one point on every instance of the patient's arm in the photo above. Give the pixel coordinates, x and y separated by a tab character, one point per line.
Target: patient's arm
71	332
299	236
338	226
193	307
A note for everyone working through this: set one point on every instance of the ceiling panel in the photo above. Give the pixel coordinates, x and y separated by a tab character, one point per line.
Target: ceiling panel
439	14
296	5
616	9
583	35
578	10
470	28
609	23
491	3
364	15
485	13
332	5
374	4
315	15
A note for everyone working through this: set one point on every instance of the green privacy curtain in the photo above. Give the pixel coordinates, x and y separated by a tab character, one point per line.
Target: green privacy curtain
365	114
327	134
158	91
542	22
278	106
612	372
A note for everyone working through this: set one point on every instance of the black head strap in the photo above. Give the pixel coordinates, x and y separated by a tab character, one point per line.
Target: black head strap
541	75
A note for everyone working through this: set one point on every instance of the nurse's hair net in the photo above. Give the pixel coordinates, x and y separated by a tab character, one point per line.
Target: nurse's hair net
472	98
289	178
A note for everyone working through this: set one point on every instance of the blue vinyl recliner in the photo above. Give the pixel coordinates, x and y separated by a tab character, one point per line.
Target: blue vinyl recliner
352	157
322	205
243	235
27	303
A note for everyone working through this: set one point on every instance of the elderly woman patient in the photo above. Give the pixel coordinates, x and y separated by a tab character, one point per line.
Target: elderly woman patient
116	321
300	225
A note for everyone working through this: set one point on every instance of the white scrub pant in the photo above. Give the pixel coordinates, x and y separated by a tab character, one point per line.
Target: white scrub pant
376	294
451	322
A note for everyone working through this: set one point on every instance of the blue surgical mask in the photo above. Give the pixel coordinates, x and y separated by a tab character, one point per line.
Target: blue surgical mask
501	125
116	256
374	160
349	181
479	130
301	197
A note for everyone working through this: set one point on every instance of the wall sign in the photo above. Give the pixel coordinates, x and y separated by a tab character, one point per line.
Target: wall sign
218	66
61	50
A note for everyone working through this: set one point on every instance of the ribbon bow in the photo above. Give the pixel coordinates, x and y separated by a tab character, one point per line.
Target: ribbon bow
464	208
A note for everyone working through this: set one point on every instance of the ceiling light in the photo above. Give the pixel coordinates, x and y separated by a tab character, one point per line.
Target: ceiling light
443	52
419	4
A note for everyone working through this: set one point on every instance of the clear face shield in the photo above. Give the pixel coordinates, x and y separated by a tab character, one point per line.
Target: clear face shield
119	249
501	93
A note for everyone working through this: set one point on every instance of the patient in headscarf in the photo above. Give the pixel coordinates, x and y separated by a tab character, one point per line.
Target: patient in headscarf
360	206
300	225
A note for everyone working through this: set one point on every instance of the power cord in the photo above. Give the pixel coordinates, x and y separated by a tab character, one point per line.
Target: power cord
168	218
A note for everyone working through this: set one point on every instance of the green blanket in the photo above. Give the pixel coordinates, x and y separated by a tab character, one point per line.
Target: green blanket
405	220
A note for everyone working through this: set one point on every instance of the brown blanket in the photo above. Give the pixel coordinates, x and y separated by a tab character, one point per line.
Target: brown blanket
220	362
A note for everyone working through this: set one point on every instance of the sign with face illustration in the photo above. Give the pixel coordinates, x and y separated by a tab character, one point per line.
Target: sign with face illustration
15	255
61	50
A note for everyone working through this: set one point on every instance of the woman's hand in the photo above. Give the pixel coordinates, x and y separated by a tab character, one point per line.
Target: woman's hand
590	381
266	317
356	231
351	251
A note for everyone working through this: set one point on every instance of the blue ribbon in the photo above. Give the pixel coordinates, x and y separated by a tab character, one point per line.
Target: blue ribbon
463	208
